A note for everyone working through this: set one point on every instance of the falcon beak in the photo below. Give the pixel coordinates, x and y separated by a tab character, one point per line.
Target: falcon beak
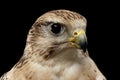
79	40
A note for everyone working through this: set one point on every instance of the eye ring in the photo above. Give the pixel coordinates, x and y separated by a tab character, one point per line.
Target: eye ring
57	28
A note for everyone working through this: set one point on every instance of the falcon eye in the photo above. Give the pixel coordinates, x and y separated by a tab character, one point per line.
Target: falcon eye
56	28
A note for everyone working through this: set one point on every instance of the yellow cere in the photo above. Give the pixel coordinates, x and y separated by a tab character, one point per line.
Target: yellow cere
74	41
79	33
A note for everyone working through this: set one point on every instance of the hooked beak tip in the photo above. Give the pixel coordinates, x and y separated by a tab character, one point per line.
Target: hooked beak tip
79	41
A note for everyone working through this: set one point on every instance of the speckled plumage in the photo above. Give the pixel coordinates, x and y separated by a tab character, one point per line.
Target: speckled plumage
51	57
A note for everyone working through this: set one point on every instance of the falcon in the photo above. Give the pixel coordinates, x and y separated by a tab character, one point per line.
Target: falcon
56	49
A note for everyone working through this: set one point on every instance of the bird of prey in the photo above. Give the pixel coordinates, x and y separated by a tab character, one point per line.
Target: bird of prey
56	50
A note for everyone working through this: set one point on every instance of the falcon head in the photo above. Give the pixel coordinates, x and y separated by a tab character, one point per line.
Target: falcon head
56	31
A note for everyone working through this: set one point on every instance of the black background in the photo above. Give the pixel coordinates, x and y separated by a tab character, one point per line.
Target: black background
18	16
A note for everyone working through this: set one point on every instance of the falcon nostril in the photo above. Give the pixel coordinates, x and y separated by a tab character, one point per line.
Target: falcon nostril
75	33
